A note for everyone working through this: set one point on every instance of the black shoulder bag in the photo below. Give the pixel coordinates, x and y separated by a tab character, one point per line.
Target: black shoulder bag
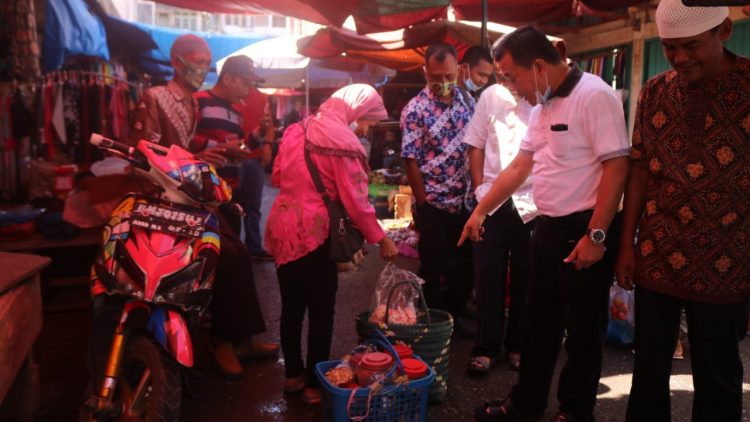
344	238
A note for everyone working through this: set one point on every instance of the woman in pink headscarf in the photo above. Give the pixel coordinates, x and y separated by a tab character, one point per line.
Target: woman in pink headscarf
297	227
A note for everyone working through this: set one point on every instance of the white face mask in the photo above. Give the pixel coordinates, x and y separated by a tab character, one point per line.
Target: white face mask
542	98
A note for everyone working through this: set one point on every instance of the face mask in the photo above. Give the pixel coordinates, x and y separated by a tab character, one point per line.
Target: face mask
442	89
542	98
193	75
470	85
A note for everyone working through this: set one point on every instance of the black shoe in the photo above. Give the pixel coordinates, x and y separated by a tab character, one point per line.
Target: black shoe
564	417
262	256
498	411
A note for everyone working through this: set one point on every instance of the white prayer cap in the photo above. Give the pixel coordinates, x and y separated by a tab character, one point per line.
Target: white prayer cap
675	20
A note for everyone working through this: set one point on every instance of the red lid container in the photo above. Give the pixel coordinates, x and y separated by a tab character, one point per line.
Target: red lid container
376	361
403	351
414	368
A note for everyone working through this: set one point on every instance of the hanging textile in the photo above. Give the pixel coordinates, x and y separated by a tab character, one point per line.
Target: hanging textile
20	39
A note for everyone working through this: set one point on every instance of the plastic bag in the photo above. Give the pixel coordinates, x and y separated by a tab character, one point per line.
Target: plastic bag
621	304
403	310
621	329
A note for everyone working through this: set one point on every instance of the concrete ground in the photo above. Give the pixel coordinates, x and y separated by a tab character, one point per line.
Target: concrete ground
60	353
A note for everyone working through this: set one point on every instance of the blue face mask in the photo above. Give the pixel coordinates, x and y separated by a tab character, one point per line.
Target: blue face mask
470	85
542	98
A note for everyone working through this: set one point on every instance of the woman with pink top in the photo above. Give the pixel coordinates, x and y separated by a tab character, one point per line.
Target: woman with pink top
297	227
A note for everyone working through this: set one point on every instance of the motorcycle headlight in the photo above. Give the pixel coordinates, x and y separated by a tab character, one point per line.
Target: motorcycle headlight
176	288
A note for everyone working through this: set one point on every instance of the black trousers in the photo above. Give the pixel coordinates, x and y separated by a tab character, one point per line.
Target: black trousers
235	310
563	299
506	240
714	332
447	269
308	283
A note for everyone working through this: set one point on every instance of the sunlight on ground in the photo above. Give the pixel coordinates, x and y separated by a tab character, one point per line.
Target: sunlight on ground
619	385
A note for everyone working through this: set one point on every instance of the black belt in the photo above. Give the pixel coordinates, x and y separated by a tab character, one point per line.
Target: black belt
574	218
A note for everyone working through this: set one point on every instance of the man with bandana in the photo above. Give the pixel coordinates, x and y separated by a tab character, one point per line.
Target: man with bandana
168	115
432	126
576	147
688	200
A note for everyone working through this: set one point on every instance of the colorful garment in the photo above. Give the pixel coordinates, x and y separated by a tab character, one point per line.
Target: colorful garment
432	133
165	115
694	237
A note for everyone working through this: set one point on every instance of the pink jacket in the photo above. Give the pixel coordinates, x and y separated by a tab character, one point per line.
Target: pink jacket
298	221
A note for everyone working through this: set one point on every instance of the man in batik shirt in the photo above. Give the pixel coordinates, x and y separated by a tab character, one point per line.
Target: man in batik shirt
433	125
168	115
690	172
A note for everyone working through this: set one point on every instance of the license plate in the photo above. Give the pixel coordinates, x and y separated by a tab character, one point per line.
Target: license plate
168	220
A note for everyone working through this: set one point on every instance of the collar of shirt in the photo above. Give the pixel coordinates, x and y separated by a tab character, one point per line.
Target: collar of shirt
174	89
571	80
457	95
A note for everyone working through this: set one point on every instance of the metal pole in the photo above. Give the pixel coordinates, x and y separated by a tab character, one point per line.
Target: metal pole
484	42
307	90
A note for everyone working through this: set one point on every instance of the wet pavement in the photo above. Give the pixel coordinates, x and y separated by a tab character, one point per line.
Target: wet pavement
60	353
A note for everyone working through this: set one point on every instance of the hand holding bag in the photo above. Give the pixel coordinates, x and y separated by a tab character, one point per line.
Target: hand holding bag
344	238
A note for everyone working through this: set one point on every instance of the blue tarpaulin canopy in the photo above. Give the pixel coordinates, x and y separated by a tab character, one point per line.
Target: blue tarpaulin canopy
220	44
71	29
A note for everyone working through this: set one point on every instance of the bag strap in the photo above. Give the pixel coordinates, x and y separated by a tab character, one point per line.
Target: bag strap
314	174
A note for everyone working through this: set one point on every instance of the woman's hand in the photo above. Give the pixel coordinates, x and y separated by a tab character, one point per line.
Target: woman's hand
388	249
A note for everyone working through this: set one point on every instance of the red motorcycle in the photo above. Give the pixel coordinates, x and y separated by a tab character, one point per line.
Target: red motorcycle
156	264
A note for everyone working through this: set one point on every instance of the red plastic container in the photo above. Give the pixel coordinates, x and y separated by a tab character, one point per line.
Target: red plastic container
414	369
403	351
371	365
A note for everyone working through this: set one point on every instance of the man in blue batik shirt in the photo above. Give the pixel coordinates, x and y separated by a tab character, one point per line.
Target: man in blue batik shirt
432	126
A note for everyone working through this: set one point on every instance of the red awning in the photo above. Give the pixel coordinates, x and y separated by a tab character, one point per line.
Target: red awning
386	15
400	50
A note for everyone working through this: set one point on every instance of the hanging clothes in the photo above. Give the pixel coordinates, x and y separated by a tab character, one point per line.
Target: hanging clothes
24	47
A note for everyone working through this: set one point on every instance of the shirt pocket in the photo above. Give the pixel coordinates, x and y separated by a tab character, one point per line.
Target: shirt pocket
560	143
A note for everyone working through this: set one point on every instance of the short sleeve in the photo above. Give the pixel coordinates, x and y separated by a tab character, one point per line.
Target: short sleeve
478	129
638	147
527	143
411	131
604	121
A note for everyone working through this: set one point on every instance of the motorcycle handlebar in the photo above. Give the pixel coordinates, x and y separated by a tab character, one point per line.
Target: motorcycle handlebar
128	152
100	141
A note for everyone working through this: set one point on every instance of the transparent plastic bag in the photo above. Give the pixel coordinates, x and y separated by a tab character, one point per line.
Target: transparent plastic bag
621	304
403	309
621	327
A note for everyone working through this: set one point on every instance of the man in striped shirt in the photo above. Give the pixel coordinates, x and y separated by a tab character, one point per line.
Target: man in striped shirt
219	134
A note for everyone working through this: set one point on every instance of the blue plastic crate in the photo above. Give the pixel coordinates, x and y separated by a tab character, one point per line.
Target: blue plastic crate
393	403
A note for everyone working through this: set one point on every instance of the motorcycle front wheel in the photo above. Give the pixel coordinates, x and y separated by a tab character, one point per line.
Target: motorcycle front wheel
150	384
149	388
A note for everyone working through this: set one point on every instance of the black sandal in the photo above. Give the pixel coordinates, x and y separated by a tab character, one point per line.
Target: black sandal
480	365
495	410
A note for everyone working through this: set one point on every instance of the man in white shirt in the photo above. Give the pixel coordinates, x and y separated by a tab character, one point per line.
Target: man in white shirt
577	148
494	136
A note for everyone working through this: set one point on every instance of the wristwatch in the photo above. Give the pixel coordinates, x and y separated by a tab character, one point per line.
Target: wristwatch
597	236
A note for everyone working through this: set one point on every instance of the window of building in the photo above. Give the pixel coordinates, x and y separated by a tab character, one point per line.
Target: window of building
259	21
162	19
145	12
278	21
